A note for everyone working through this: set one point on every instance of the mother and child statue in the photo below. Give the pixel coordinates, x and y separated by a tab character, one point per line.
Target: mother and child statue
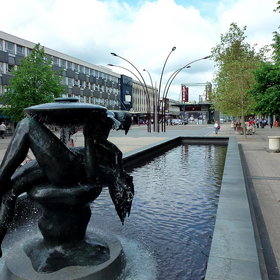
61	176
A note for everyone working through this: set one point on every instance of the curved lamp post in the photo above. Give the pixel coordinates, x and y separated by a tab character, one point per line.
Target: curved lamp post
165	92
154	103
168	84
172	50
144	88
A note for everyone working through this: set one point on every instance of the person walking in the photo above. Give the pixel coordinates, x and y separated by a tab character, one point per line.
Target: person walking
2	130
216	127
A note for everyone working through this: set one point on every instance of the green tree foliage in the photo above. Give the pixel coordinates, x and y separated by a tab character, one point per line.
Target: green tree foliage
235	59
266	91
278	7
33	82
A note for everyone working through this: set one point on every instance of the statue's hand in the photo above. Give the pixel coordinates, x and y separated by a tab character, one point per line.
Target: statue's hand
122	192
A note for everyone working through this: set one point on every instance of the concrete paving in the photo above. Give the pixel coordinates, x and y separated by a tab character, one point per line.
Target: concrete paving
261	174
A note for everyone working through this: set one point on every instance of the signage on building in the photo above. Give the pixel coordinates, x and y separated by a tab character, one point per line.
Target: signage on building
185	93
126	93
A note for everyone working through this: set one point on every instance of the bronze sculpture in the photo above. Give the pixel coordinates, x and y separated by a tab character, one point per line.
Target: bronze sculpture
77	174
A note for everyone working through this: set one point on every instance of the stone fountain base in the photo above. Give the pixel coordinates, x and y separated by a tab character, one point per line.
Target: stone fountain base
18	265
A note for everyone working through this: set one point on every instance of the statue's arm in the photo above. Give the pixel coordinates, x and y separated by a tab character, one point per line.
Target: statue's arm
90	157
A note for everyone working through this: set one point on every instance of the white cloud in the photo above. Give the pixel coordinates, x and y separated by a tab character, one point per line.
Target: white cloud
144	33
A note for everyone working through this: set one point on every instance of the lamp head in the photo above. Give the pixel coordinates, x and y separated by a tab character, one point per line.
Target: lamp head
173	49
110	65
114	54
207	57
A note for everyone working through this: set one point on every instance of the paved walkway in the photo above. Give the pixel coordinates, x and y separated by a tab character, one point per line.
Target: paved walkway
261	170
262	174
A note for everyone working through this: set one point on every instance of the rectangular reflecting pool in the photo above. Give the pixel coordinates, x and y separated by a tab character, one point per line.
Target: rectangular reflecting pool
173	213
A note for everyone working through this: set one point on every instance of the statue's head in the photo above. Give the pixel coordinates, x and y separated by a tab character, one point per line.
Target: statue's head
125	119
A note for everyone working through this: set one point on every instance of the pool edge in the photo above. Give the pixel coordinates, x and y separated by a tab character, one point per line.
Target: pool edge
233	253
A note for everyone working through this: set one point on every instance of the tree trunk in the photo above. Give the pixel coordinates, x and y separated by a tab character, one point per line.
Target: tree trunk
243	125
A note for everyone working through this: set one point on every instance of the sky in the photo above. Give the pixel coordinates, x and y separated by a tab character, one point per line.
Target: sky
142	32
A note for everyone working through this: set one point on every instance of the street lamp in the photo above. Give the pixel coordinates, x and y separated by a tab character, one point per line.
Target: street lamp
165	92
154	103
144	88
172	50
168	84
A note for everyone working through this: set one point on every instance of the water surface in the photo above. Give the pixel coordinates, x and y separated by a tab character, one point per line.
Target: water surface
173	212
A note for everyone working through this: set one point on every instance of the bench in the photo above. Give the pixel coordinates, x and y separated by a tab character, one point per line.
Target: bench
274	143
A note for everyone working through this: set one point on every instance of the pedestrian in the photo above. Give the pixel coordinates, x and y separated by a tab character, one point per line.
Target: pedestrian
2	130
71	143
216	127
257	123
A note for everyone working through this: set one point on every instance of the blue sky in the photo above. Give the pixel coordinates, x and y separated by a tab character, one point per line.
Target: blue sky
143	32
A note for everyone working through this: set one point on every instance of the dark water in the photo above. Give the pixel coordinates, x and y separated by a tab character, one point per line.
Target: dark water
174	210
168	234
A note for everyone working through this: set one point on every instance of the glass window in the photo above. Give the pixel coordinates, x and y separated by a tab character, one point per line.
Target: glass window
56	61
81	69
86	71
100	74
20	50
63	81
70	82
9	68
69	65
1	45
104	76
77	96
10	47
29	51
64	95
91	72
97	100
76	83
76	67
96	74
63	63
48	57
1	67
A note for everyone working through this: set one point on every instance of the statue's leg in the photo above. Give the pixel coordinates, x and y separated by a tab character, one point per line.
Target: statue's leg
14	156
61	166
22	181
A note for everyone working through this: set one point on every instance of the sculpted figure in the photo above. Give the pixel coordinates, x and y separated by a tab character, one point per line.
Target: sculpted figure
97	164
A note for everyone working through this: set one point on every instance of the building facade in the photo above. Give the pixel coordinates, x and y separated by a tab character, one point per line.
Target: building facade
87	82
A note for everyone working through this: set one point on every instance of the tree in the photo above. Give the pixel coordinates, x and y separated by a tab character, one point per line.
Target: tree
235	59
266	91
34	82
278	7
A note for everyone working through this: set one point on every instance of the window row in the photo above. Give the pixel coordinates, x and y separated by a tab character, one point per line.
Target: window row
20	50
92	86
95	100
5	68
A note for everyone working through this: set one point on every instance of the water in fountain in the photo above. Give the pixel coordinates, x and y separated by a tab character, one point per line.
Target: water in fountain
174	210
168	234
167	214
